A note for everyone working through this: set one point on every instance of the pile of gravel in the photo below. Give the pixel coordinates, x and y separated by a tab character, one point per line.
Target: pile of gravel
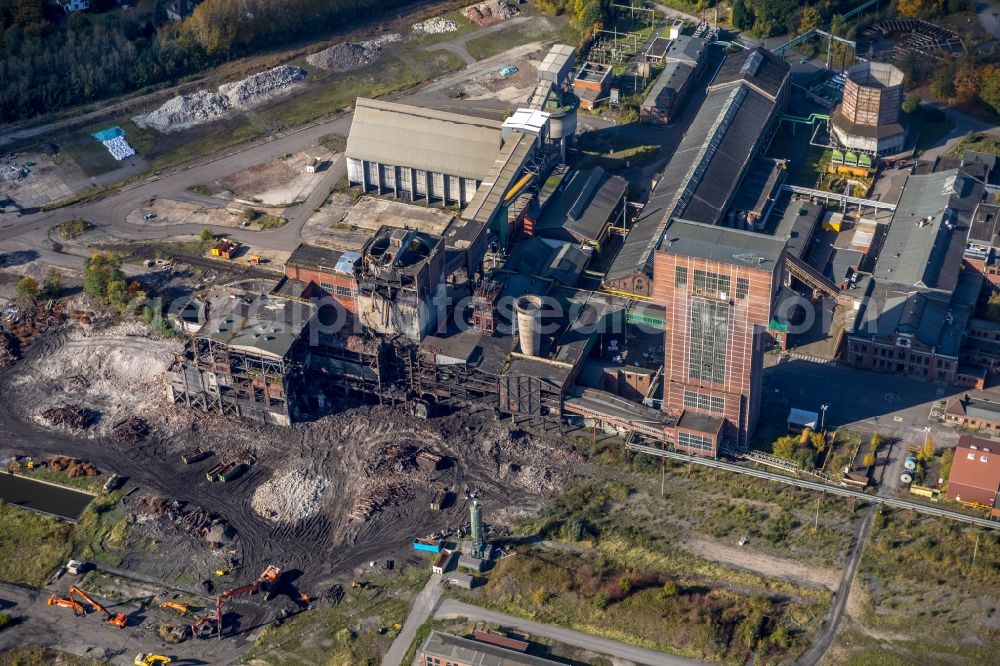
435	26
289	497
205	106
348	56
257	88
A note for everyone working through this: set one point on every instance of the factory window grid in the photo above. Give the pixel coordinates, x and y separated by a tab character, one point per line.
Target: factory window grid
326	286
707	282
742	288
693	441
681	276
710	403
344	291
709	334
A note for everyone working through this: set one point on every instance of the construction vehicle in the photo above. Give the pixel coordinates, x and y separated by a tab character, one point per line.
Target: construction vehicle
74	599
74	566
179	607
143	659
253	260
67	603
267	581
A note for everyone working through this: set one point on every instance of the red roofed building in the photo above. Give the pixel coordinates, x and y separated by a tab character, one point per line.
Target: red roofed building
975	472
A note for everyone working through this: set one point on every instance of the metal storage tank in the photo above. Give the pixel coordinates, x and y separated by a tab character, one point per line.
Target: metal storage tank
910	463
906	477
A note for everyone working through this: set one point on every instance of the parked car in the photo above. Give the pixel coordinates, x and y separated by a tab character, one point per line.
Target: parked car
507	71
149	216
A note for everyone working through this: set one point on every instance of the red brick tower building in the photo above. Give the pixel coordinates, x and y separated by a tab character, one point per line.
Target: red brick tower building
718	287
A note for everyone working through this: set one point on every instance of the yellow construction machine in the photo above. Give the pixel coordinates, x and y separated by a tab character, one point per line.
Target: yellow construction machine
143	659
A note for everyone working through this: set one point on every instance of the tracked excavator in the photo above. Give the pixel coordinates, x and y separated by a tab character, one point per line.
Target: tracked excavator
212	622
75	600
179	607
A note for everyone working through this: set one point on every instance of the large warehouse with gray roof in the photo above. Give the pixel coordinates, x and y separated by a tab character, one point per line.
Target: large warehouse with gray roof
420	154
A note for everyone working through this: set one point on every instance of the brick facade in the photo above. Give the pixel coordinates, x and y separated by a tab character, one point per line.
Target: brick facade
729	386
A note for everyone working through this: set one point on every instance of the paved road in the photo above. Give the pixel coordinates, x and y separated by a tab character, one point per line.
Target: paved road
451	608
423	606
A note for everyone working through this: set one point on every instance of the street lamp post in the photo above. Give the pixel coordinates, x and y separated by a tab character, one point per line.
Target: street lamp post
822	416
927	435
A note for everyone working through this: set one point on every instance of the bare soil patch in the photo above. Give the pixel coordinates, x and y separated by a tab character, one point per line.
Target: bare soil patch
257	178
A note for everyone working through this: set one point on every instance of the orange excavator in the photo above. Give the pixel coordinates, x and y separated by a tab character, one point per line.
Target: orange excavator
67	603
267	581
76	596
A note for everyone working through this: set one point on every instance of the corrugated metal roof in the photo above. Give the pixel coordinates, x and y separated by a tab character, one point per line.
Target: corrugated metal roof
926	238
500	176
425	139
672	79
767	77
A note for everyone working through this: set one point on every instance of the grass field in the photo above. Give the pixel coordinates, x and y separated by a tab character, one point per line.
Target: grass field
490	45
984	143
356	631
207	141
404	68
621	572
100	534
31	545
635	594
922	599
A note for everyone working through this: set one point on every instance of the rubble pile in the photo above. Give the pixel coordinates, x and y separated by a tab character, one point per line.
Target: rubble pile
290	496
72	466
361	345
435	26
347	56
205	106
26	324
193	519
184	111
8	349
132	430
523	460
73	417
257	88
489	12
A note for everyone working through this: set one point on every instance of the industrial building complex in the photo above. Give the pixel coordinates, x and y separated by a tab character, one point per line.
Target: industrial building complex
620	351
488	303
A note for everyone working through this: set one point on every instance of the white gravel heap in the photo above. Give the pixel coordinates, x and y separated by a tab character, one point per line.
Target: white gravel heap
435	26
256	88
289	496
205	106
119	148
348	56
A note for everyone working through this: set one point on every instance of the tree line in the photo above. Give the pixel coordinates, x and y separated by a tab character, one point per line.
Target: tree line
49	61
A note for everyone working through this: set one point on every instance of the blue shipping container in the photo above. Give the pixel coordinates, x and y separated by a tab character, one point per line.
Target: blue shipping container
430	547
